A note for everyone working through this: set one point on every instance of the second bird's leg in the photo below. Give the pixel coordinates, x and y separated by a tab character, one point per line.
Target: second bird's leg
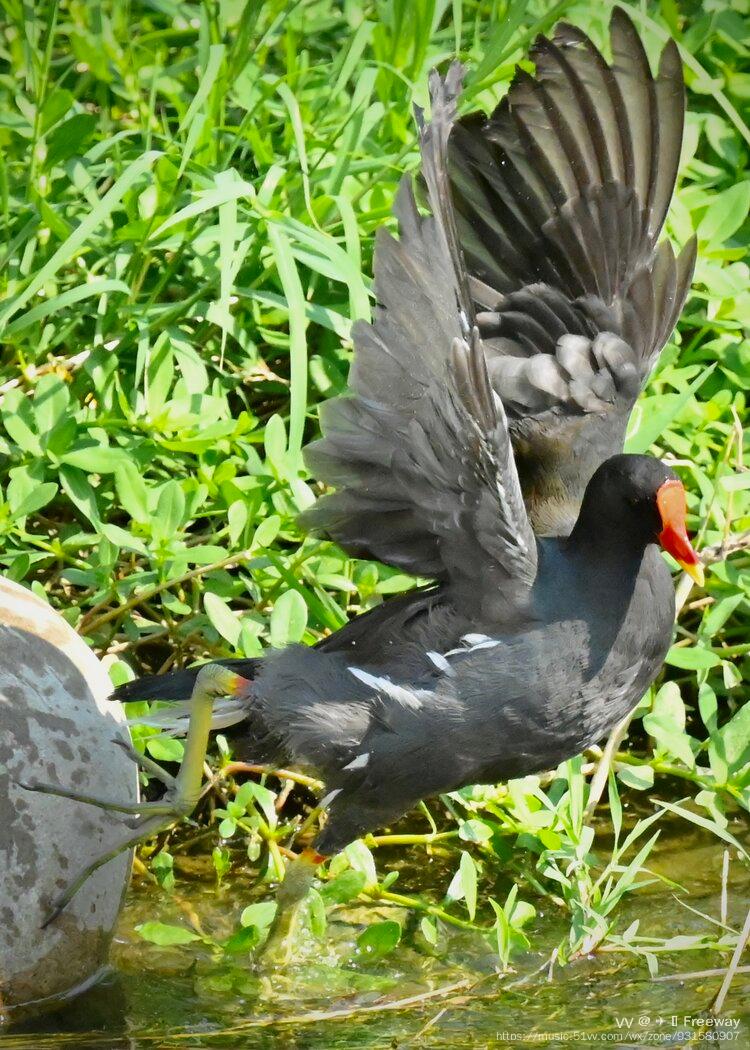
183	791
133	808
290	896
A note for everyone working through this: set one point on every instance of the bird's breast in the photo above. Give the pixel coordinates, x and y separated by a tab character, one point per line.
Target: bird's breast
627	653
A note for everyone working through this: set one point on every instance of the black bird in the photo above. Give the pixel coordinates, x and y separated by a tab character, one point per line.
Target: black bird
481	446
547	242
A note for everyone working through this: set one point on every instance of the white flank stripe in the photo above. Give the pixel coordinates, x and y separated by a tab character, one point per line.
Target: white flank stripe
328	799
359	762
440	662
388	688
367	679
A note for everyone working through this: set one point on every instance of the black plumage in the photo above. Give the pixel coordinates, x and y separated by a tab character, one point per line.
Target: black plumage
460	697
560	196
516	323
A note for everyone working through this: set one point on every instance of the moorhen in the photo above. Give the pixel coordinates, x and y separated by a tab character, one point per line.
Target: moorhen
481	446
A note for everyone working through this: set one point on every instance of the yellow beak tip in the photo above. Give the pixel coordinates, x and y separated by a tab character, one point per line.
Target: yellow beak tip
695	572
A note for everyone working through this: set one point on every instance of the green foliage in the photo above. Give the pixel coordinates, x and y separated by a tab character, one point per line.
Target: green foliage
258	916
165	935
379	939
188	199
162	865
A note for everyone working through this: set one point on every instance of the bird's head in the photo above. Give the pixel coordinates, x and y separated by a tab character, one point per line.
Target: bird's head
641	500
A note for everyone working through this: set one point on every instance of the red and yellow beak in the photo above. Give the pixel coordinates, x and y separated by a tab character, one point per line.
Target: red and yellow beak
672	506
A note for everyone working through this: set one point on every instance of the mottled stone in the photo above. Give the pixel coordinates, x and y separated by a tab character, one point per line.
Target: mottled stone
57	726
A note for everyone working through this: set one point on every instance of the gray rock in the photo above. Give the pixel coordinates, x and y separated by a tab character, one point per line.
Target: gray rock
56	726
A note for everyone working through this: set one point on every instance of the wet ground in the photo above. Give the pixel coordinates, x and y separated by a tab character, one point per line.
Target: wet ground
193	996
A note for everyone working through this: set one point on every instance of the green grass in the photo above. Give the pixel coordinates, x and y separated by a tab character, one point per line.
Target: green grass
188	196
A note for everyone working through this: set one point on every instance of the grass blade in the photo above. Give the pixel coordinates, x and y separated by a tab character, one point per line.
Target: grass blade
82	232
292	286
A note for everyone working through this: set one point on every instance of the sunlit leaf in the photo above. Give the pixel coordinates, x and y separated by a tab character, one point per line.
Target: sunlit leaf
164	935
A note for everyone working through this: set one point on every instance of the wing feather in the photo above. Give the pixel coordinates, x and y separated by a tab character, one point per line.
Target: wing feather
536	287
560	196
420	450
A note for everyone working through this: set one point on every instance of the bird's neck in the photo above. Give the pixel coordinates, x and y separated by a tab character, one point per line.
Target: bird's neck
606	559
601	534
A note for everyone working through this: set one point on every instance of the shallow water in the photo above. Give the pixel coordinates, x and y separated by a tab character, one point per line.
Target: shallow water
189	996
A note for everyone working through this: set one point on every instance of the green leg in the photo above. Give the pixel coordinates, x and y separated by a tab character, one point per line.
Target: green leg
183	791
298	880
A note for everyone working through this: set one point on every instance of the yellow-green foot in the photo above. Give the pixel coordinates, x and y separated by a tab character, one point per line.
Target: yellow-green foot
292	893
183	791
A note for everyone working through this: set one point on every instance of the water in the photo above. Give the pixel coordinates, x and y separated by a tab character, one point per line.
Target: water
190	996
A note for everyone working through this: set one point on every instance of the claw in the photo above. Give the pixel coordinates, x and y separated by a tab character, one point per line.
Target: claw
183	791
57	910
144	827
108	805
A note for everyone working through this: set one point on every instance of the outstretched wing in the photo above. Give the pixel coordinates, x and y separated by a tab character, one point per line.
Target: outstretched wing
419	451
560	196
